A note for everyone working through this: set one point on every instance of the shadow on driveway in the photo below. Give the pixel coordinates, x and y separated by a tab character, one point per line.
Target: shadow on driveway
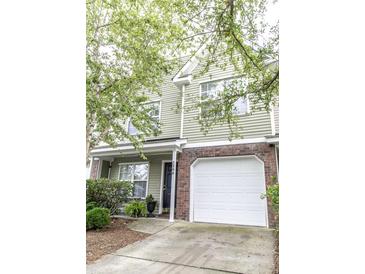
193	248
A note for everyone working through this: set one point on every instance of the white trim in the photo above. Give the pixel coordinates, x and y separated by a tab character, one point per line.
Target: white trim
109	169
100	166
274	140
182	111
217	79
227	142
276	147
131	163
191	64
132	177
173	187
272	119
191	203
183	80
91	166
158	147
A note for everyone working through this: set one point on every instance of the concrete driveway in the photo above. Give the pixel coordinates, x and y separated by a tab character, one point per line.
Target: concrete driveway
184	247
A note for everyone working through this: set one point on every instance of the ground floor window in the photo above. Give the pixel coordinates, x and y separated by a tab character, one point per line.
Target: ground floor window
137	173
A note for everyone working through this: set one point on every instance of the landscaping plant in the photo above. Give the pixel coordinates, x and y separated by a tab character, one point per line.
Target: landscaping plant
97	218
107	193
136	209
91	205
272	193
151	204
149	198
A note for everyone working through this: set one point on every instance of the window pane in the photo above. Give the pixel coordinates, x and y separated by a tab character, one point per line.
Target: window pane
154	109
131	129
204	95
139	189
205	108
140	172
126	172
240	106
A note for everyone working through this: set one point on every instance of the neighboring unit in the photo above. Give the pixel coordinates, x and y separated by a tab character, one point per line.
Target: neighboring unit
197	177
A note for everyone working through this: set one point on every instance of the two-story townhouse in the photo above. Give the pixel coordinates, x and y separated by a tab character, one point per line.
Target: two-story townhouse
206	177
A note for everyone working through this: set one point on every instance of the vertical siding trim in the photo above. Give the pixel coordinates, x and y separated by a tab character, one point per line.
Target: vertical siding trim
182	111
90	167
99	168
272	119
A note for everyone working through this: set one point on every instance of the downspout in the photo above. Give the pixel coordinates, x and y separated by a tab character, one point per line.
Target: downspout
173	186
182	111
277	160
272	118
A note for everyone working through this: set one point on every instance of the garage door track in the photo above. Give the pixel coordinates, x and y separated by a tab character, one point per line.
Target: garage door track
184	247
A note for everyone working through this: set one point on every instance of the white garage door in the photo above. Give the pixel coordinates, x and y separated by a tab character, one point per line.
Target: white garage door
228	190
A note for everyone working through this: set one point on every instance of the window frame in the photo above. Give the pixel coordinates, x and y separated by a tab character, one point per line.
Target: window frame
220	80
132	177
149	102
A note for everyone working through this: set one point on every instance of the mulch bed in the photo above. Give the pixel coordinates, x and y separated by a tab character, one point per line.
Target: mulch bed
111	238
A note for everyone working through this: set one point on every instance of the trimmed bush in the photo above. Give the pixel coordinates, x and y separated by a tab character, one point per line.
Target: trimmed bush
97	218
149	199
108	193
136	209
91	205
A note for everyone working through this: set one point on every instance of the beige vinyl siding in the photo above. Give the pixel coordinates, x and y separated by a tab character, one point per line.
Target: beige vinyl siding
154	176
257	124
170	117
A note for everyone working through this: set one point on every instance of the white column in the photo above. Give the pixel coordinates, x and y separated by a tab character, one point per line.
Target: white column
90	167
100	165
173	186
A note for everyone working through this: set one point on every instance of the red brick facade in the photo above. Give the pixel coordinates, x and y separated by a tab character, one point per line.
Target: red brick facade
262	150
94	169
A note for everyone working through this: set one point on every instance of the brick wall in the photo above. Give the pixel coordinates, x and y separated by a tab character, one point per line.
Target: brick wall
262	150
94	169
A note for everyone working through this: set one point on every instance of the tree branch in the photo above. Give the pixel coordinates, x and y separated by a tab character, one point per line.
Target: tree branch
244	50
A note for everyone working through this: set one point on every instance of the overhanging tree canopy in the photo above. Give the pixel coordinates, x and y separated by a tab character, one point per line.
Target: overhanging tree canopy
133	44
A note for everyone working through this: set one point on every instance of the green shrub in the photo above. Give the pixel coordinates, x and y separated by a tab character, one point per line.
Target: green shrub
272	194
136	209
108	193
149	198
97	218
91	205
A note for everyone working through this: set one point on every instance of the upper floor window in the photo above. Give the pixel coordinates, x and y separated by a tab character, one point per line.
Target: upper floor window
211	90
154	113
137	174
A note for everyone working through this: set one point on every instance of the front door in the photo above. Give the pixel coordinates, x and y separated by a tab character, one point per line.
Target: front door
167	186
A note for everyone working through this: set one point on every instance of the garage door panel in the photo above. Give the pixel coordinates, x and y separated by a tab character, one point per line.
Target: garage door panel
233	218
233	197
213	179
229	191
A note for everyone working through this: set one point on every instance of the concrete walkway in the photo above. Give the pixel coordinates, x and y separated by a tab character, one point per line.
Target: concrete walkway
193	248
